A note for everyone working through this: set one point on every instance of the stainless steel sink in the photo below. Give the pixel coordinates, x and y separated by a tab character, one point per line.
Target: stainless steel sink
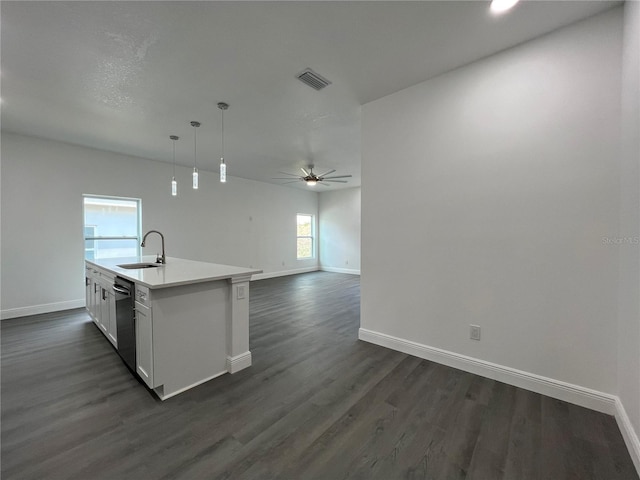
134	266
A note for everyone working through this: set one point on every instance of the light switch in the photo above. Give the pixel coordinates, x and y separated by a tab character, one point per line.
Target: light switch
240	292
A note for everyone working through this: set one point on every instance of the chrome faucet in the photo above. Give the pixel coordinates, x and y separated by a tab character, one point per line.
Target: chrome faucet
159	259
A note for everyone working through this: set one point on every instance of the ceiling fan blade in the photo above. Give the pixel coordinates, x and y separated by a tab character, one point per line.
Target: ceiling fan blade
339	176
282	178
335	181
324	184
292	174
306	174
285	183
326	173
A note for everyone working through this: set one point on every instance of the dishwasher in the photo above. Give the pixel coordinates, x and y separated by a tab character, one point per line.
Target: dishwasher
125	321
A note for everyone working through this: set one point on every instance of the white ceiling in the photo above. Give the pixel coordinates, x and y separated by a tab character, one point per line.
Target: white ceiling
123	76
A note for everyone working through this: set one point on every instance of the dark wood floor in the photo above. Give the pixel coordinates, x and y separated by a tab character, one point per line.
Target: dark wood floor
316	404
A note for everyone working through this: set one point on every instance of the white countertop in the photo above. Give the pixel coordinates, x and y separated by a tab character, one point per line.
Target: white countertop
175	272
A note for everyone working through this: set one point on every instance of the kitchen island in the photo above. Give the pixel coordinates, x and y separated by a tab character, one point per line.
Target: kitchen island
191	318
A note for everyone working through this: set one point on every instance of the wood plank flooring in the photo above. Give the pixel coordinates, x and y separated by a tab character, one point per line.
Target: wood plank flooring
316	404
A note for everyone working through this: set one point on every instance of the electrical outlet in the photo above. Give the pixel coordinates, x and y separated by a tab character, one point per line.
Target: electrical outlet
240	292
474	332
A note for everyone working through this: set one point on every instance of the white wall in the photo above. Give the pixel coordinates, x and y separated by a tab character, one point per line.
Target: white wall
504	182
242	222
629	282
339	214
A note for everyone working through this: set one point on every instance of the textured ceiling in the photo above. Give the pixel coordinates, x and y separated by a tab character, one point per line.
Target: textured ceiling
123	76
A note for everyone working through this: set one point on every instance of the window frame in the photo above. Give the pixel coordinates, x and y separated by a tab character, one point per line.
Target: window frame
312	237
93	238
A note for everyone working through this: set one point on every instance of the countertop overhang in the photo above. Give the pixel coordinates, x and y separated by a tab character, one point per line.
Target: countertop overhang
175	272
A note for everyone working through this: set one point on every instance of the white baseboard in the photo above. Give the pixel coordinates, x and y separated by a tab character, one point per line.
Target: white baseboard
351	271
239	362
585	397
38	309
160	391
628	433
283	273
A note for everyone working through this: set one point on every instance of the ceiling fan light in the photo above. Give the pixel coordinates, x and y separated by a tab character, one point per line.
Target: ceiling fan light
311	182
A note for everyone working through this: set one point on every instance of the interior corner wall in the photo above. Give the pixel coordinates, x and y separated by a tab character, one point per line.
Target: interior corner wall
629	282
242	222
502	208
339	230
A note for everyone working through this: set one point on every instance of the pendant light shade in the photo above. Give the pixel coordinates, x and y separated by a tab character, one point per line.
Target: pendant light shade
195	126
223	171
174	184
223	166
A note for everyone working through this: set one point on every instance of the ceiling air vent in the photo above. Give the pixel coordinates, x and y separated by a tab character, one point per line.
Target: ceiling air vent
312	79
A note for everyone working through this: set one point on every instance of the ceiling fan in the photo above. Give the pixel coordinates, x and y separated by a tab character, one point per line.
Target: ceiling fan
311	179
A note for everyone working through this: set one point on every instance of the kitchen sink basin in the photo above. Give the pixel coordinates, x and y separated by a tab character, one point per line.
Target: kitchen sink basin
135	266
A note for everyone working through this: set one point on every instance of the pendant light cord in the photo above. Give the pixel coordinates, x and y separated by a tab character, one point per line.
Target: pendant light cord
222	110
174	158
173	140
195	146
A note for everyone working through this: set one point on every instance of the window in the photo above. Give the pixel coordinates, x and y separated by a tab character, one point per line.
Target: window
111	227
89	241
306	244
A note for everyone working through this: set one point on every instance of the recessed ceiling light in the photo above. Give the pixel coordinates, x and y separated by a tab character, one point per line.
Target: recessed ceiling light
499	6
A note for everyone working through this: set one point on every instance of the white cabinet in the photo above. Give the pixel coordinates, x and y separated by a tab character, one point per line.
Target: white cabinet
93	292
88	285
144	344
108	322
181	335
189	327
103	317
88	290
101	302
112	331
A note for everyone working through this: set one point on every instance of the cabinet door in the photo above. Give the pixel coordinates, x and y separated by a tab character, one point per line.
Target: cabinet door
91	294
87	290
112	323
97	302
144	344
94	301
103	319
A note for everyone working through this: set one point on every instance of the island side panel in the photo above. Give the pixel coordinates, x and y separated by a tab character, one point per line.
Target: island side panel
189	334
238	354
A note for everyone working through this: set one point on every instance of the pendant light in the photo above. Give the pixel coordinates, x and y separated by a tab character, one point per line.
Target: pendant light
223	166
195	125
174	184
